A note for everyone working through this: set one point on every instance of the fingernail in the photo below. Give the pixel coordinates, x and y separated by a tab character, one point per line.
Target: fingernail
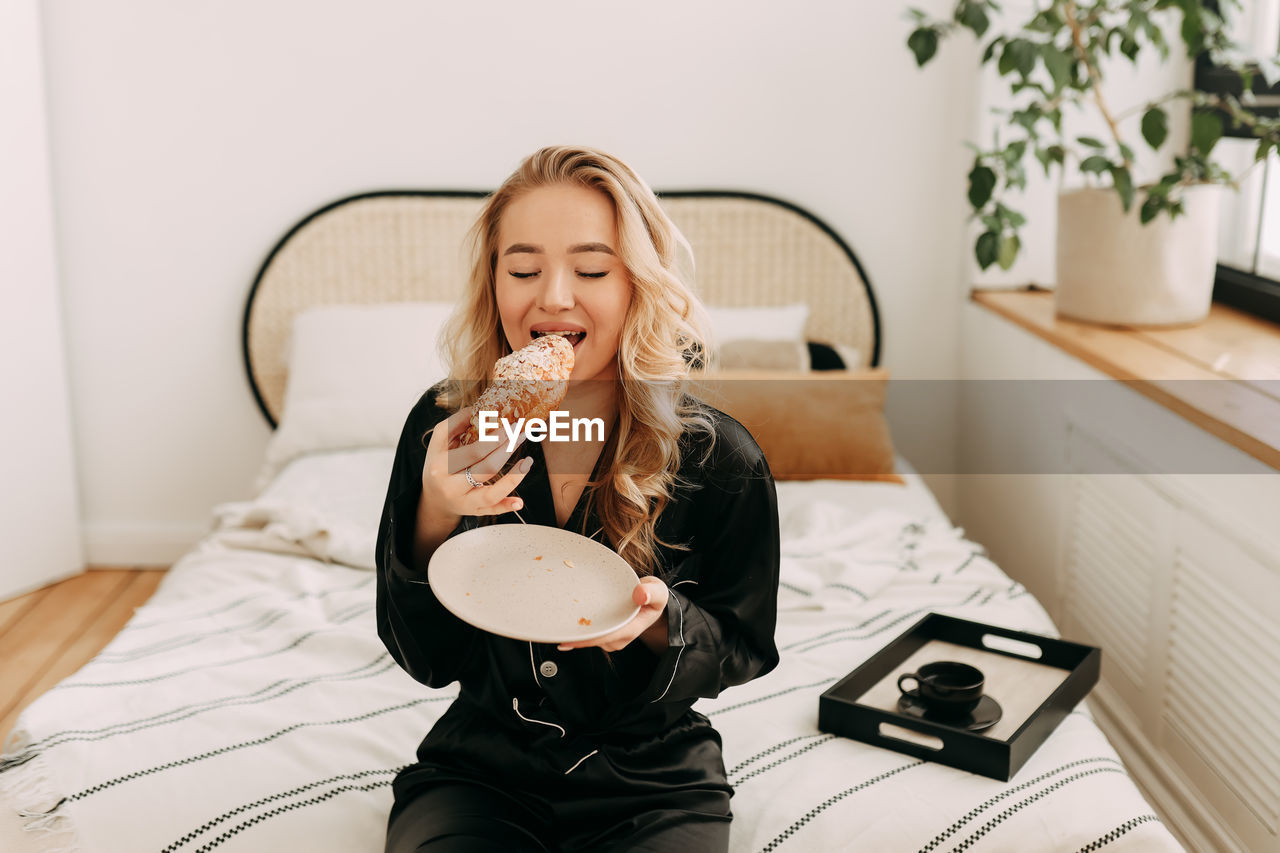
562	648
517	505
526	465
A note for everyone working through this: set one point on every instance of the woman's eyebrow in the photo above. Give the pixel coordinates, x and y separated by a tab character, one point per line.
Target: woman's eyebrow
573	250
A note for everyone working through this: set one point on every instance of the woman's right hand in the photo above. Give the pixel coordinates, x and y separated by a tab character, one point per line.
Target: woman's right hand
445	490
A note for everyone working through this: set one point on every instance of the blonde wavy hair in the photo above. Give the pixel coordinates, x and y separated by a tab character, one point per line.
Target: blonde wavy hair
665	329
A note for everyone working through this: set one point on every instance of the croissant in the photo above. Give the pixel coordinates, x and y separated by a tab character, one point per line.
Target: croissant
528	383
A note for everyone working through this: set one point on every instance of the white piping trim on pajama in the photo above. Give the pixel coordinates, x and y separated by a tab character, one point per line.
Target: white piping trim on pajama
678	654
533	666
580	760
515	705
677	583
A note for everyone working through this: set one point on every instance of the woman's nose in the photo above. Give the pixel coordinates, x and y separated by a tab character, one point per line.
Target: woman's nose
557	291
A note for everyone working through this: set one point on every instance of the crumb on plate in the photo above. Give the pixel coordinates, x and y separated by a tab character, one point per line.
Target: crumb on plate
584	621
569	563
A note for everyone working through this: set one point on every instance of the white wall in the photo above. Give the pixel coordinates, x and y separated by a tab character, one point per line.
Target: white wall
187	139
39	512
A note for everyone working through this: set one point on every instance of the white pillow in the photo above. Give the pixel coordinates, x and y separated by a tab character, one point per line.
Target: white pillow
355	371
772	323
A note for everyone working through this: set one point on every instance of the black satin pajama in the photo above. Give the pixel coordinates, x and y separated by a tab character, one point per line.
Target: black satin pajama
564	751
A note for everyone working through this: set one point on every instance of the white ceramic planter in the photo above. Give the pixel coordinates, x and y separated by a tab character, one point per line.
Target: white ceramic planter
1113	269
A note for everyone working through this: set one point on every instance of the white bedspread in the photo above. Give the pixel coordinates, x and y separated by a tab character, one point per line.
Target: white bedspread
250	705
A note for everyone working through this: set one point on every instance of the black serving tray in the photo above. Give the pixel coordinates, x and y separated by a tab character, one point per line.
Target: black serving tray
840	711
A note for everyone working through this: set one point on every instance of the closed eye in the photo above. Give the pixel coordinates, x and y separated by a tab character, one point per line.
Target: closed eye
581	274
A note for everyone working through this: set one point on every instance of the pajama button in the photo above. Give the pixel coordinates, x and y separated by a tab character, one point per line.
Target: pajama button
548	668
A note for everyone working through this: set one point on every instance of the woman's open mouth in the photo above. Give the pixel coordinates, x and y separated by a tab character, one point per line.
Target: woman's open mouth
574	338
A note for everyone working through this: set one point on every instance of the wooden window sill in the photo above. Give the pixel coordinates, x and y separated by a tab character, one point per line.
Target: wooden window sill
1240	350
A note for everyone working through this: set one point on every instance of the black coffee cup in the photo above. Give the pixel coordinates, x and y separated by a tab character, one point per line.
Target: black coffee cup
946	688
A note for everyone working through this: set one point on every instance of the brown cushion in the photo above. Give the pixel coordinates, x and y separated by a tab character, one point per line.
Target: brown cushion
761	355
811	426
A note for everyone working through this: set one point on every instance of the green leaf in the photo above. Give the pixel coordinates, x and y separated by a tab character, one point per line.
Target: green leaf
981	182
1096	164
1058	153
1155	127
1058	63
973	16
1019	55
1008	214
1045	158
1265	147
1091	141
987	248
1028	117
1192	28
1150	208
1126	152
1155	36
924	44
993	223
1129	47
1124	185
1008	251
991	49
1206	130
1046	22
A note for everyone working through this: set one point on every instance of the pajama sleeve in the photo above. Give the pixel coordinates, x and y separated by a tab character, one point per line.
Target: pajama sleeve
723	602
429	642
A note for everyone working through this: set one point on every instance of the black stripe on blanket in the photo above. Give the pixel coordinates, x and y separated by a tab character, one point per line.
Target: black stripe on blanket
1117	832
1007	792
849	587
225	816
188	711
262	621
1038	795
768	697
142	626
772	764
794	588
862	624
65	685
223	750
181	642
777	746
276	812
810	645
831	801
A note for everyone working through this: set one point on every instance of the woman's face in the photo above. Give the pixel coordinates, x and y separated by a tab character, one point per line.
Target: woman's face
558	269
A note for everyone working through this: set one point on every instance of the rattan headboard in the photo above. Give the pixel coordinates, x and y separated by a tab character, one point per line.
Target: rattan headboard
406	246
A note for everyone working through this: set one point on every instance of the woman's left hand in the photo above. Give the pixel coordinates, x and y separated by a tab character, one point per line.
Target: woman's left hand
651	595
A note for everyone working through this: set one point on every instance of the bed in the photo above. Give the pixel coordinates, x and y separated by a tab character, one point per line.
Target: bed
250	705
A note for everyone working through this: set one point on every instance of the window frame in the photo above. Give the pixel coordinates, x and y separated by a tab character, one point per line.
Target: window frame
1242	289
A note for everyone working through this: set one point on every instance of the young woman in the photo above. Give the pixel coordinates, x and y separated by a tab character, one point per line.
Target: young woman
588	745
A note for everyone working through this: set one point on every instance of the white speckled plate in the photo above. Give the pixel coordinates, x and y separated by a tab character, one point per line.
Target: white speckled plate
533	582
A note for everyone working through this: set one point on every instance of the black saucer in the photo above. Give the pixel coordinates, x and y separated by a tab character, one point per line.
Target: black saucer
986	715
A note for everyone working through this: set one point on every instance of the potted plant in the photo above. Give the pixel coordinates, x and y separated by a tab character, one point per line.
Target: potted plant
1127	253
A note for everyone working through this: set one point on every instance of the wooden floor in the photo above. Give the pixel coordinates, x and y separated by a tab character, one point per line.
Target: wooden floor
48	634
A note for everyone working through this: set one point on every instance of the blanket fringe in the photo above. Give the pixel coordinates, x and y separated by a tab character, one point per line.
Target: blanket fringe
24	790
8	762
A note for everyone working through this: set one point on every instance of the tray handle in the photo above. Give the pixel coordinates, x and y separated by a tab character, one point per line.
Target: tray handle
889	731
1020	648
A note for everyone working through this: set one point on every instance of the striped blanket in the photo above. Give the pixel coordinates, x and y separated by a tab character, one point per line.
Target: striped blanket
250	705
